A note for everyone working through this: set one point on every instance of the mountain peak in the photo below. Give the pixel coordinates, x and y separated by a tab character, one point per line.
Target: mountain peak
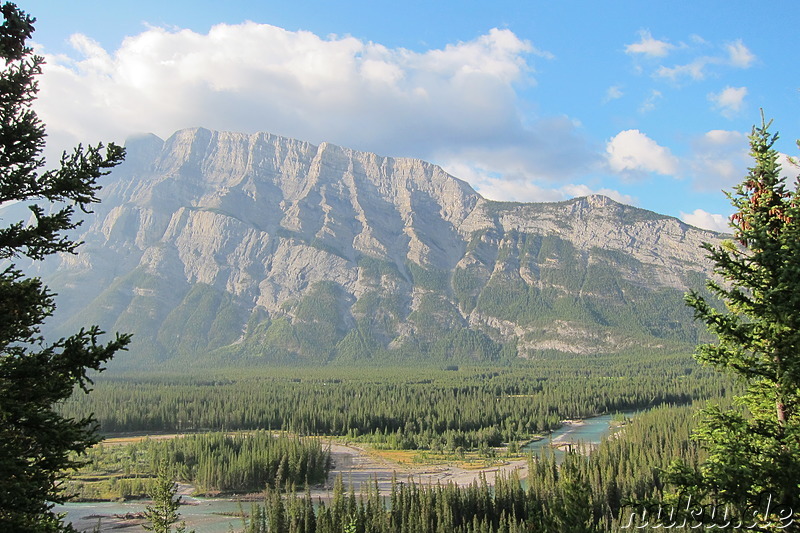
255	244
599	200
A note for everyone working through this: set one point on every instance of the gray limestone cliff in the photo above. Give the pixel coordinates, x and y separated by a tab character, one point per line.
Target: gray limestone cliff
217	246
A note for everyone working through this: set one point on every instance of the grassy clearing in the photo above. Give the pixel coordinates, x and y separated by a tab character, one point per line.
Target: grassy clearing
468	460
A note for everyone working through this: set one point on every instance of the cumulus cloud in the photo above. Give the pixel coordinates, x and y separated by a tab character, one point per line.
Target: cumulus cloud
705	220
253	77
729	101
632	153
648	46
457	101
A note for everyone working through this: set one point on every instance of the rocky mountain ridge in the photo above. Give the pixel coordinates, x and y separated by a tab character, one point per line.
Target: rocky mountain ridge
219	246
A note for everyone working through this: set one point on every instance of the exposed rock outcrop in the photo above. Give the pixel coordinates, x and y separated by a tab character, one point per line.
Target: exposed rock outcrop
259	245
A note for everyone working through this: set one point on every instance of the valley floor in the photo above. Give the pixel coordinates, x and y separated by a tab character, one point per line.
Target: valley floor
359	468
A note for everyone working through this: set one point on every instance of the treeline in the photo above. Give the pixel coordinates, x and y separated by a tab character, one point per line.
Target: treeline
213	462
243	462
418	408
583	494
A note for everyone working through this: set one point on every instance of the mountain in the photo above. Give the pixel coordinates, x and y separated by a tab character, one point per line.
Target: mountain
215	247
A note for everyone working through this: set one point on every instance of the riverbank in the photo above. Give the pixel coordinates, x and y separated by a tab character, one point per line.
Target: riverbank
359	466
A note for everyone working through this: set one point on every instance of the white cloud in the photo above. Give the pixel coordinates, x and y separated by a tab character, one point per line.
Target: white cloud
729	101
648	46
650	102
718	160
573	191
517	191
698	40
632	153
739	55
696	70
552	150
252	77
613	93
525	190
790	168
458	100
702	219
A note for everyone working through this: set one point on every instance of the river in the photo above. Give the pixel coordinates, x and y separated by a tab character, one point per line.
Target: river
214	515
588	432
203	515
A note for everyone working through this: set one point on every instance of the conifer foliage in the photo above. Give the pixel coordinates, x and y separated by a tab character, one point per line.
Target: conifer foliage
163	513
36	441
754	451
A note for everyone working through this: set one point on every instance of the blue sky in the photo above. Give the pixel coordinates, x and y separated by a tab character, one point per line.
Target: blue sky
649	102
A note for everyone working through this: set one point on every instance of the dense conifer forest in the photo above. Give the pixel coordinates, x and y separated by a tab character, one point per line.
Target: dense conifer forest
592	492
401	408
441	409
211	462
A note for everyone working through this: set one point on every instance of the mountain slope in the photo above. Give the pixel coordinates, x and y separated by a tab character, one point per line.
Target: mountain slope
219	246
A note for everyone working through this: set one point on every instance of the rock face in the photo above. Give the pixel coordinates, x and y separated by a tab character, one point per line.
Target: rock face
215	246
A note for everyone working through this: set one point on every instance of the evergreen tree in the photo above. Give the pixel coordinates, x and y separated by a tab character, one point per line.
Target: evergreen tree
36	443
754	451
572	507
163	513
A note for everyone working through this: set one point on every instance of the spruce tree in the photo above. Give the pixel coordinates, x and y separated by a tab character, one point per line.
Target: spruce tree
162	514
754	449
36	443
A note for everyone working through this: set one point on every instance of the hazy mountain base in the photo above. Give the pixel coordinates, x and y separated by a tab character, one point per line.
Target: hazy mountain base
221	247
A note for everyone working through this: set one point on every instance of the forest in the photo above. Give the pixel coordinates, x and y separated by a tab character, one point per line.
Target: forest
421	407
600	491
251	429
211	462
